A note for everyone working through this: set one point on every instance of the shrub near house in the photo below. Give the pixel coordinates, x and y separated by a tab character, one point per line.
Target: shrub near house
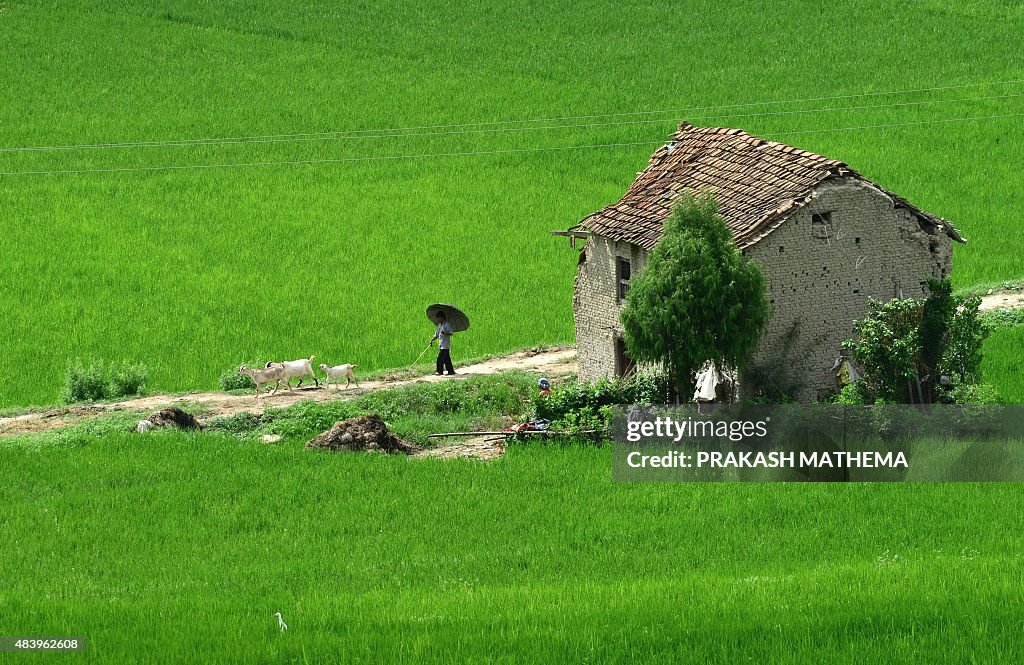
915	352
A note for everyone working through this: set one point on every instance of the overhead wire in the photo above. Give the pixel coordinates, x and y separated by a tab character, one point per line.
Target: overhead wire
399	132
246	141
370	158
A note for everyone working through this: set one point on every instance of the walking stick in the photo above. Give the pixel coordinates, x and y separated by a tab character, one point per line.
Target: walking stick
422	352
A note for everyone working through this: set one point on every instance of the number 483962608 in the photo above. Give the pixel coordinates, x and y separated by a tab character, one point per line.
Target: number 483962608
9	644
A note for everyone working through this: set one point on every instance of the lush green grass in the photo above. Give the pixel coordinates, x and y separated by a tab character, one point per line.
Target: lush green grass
194	271
1004	353
182	547
1003	365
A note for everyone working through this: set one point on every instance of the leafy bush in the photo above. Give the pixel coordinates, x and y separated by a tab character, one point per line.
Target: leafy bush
128	379
1003	318
587	399
230	379
966	333
575	397
584	421
976	393
978	409
92	383
648	388
84	384
888	349
905	346
853	393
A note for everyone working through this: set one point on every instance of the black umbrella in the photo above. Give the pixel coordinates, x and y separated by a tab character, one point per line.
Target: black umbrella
455	317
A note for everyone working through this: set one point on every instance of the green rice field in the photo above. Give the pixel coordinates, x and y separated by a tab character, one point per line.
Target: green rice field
192	185
1003	364
182	547
144	254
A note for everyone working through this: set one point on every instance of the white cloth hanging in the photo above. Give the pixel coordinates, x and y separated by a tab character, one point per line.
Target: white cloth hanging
707	383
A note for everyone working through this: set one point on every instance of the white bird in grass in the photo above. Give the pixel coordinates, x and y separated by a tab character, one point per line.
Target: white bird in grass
280	622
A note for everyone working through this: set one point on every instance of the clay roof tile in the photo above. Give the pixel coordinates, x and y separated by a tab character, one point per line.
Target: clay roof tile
755	183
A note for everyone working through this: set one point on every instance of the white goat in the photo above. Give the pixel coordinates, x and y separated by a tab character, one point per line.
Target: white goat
339	371
261	377
297	369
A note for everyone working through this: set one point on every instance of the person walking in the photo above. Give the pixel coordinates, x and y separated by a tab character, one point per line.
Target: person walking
443	335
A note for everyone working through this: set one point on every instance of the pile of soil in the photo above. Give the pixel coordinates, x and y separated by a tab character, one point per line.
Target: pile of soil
174	417
365	433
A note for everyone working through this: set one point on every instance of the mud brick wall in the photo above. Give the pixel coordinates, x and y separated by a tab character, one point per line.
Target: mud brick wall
596	305
818	278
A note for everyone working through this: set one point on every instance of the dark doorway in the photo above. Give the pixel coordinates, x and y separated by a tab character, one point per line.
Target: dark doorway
624	365
623	273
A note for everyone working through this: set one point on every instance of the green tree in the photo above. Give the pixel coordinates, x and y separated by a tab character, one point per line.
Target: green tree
939	310
904	346
961	357
699	299
888	348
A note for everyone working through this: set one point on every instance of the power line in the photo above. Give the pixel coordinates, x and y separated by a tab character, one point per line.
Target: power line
859	108
181	167
370	158
494	130
898	124
403	131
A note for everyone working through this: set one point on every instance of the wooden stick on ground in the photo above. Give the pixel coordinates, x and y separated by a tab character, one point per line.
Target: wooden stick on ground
533	432
434	436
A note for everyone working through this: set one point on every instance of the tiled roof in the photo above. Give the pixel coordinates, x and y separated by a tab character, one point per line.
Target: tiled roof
756	184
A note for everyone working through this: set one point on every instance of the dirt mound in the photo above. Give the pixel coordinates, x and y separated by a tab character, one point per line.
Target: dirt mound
365	433
174	417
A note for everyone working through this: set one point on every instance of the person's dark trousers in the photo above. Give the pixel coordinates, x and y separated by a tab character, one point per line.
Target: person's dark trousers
444	361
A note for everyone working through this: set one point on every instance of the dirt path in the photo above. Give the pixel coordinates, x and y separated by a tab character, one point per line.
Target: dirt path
556	362
1002	299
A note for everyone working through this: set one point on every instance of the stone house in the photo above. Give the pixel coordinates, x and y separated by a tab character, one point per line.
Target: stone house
826	237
